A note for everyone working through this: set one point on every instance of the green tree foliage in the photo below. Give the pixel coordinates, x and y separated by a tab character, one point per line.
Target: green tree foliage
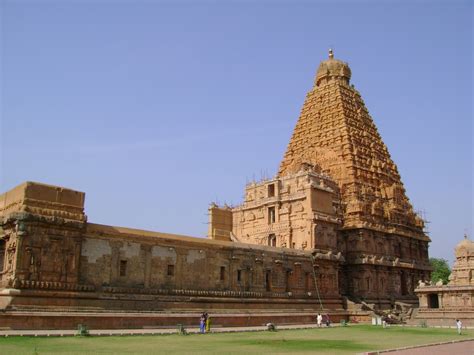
441	270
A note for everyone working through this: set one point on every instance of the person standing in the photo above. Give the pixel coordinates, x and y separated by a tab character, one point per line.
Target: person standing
208	323
319	320
328	321
202	324
459	326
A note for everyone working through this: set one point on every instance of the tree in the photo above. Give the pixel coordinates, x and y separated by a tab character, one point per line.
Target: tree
441	270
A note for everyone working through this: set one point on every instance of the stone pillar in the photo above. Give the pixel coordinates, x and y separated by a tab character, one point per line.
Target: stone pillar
146	249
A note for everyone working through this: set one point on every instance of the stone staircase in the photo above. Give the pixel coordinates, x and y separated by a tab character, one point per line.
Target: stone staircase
401	313
412	320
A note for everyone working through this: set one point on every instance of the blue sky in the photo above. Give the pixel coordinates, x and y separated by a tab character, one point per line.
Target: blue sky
155	108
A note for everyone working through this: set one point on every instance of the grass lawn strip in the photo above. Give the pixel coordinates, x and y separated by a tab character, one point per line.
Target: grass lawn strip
337	340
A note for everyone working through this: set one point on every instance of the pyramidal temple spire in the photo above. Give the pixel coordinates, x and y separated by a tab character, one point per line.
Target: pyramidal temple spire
336	132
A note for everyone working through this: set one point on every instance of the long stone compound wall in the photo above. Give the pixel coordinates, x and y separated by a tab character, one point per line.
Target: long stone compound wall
443	304
52	259
338	194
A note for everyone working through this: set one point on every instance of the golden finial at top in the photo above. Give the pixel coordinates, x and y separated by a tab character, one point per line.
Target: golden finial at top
331	53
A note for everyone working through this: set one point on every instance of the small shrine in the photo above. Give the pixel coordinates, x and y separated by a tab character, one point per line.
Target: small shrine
444	303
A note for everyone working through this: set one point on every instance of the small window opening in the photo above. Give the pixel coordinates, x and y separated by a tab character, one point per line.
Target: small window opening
268	285
239	275
307	281
287	280
222	273
271	190
271	215
123	267
272	240
170	270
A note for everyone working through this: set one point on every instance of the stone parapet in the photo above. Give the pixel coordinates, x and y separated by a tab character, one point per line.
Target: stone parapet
43	200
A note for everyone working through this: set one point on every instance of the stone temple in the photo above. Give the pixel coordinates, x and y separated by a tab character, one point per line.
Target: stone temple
333	230
339	195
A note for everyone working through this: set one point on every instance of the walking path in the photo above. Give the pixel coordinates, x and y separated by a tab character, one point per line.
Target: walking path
458	347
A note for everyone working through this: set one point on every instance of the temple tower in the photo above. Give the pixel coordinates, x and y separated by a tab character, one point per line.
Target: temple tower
339	195
336	133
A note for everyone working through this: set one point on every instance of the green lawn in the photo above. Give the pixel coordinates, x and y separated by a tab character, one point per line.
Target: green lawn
337	340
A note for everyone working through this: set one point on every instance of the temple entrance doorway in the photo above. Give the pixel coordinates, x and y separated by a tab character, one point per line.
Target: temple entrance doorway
433	300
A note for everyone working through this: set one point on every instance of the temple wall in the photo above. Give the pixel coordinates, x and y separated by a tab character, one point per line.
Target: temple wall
120	260
52	256
384	265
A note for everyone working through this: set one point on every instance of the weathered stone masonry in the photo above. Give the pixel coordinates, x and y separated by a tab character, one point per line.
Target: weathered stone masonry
54	258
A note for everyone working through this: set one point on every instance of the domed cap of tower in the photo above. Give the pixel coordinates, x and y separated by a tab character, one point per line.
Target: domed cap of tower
333	69
464	248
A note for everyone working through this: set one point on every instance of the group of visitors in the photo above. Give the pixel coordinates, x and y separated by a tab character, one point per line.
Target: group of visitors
204	323
319	320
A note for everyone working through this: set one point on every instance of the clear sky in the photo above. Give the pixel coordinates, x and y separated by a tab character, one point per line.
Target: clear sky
155	108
